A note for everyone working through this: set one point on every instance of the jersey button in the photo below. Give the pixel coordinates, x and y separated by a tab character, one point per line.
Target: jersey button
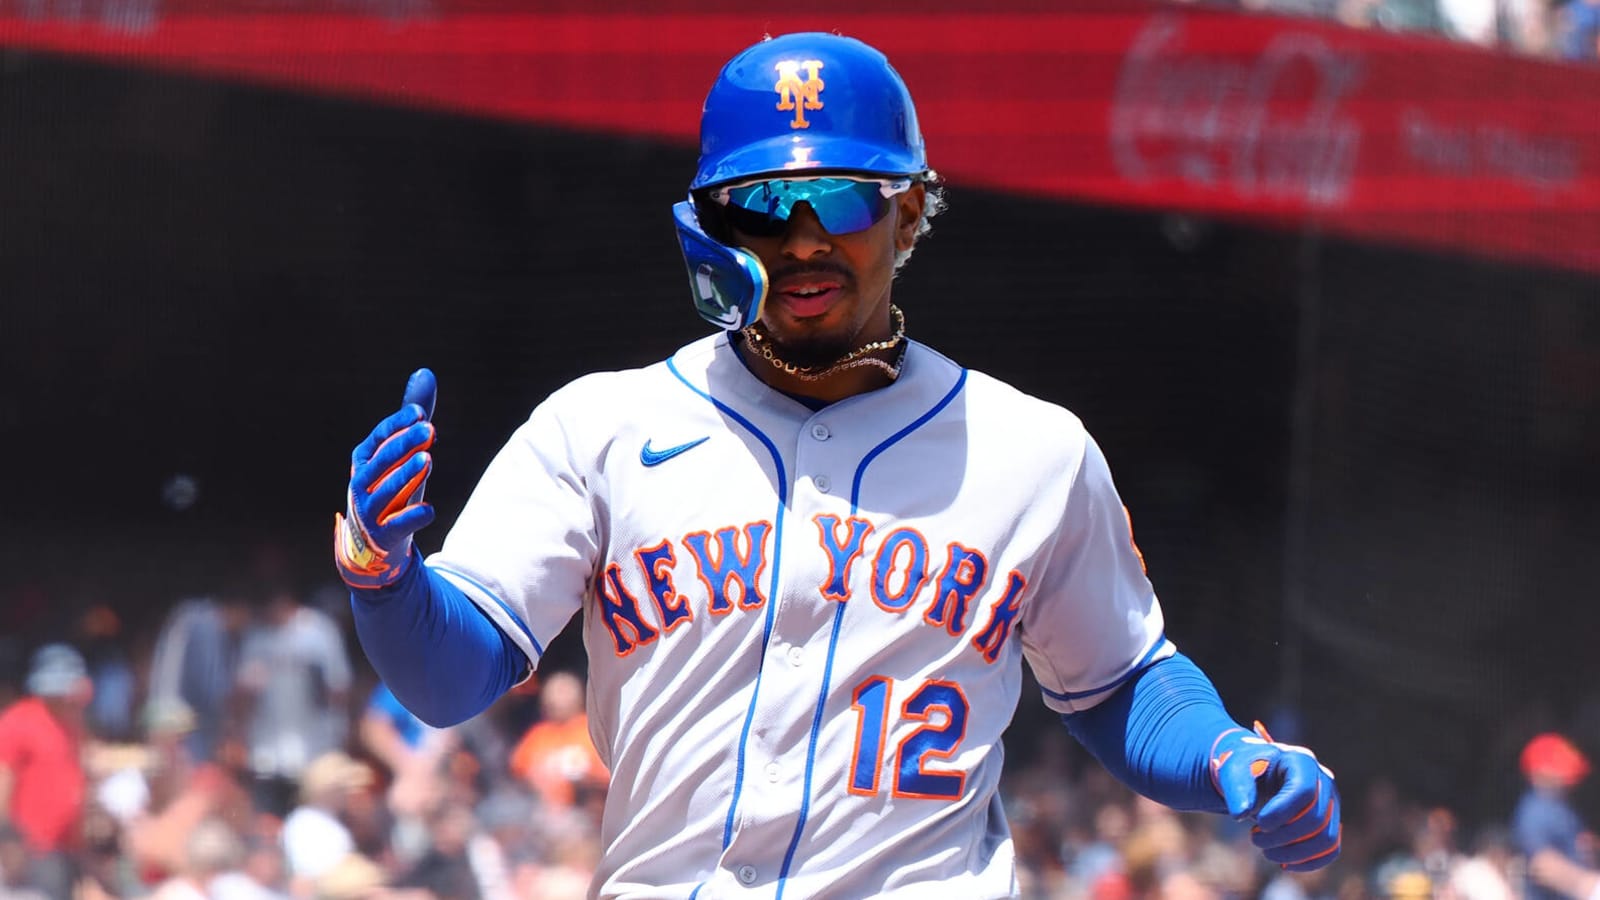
822	483
797	655
747	874
774	772
821	432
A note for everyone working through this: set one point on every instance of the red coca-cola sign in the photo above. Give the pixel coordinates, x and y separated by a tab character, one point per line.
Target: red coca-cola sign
1396	139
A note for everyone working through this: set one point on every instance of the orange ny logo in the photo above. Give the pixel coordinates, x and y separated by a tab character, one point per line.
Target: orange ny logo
796	93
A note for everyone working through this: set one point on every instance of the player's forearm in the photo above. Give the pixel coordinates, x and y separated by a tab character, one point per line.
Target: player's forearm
1156	732
1552	870
381	739
434	649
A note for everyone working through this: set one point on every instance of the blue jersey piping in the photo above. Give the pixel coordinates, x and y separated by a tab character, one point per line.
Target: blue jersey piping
772	593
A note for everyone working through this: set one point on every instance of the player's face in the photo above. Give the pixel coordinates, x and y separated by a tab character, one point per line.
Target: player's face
830	292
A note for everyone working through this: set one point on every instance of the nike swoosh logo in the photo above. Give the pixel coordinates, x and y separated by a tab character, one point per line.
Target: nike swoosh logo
657	457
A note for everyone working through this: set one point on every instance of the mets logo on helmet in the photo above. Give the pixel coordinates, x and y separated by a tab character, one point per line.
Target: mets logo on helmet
796	93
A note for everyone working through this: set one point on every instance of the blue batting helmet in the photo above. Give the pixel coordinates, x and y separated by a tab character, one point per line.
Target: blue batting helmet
810	101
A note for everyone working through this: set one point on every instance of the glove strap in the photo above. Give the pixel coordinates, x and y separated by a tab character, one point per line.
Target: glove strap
362	564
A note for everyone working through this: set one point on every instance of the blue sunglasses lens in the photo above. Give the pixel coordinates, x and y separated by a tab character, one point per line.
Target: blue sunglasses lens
842	205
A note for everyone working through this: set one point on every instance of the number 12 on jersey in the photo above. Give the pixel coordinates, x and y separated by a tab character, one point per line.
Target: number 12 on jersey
942	709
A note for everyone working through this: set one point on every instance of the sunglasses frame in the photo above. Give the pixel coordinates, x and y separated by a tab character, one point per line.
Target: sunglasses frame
887	189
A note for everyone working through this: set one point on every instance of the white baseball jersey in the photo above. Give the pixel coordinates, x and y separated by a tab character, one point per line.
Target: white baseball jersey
805	628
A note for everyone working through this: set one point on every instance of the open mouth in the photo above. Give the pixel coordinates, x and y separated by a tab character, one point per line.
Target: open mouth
811	298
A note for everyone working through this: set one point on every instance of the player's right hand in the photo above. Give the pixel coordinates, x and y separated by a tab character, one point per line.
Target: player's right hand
384	505
1289	796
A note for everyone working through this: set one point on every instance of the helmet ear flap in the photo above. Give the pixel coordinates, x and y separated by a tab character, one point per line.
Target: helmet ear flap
729	284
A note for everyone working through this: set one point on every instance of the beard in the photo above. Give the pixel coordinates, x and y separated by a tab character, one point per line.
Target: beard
811	352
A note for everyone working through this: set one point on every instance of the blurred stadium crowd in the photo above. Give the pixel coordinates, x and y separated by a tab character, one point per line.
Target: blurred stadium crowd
241	749
1552	29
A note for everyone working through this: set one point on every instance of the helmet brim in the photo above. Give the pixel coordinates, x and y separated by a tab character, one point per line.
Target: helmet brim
798	154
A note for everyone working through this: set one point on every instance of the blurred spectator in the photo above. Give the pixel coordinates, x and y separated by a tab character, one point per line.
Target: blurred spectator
1299	886
1435	847
178	793
1394	15
105	650
294	677
1040	872
556	757
1380	826
506	842
372	822
1101	857
1223	861
104	867
1547	829
262	876
1487	874
1516	24
14	867
196	662
1474	21
210	851
1579	30
42	782
216	863
315	839
409	748
570	858
1400	883
353	877
445	871
1155	859
1527	26
389	730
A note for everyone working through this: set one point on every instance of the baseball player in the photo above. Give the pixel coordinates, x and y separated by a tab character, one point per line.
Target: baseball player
811	553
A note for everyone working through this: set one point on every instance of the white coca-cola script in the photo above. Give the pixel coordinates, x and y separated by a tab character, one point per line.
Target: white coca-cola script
1266	126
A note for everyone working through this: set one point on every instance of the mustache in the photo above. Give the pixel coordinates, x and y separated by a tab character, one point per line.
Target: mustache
820	267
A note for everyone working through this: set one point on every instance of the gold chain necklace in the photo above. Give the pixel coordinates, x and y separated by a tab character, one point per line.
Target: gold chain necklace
855	359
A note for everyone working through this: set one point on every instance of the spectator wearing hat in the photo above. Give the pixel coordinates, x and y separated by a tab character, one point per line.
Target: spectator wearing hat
180	795
42	782
315	837
1545	826
211	850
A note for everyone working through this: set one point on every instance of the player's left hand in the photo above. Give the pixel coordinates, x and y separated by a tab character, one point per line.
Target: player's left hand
1282	788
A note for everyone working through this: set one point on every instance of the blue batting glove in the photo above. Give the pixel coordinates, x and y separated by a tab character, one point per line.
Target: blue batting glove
384	506
1282	788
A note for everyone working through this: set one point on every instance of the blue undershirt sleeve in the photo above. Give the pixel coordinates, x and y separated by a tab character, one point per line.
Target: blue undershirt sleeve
439	654
1156	732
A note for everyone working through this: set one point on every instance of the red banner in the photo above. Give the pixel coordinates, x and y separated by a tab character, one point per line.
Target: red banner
1408	140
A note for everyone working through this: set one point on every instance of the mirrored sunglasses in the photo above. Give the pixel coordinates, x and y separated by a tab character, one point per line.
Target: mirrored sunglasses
842	205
